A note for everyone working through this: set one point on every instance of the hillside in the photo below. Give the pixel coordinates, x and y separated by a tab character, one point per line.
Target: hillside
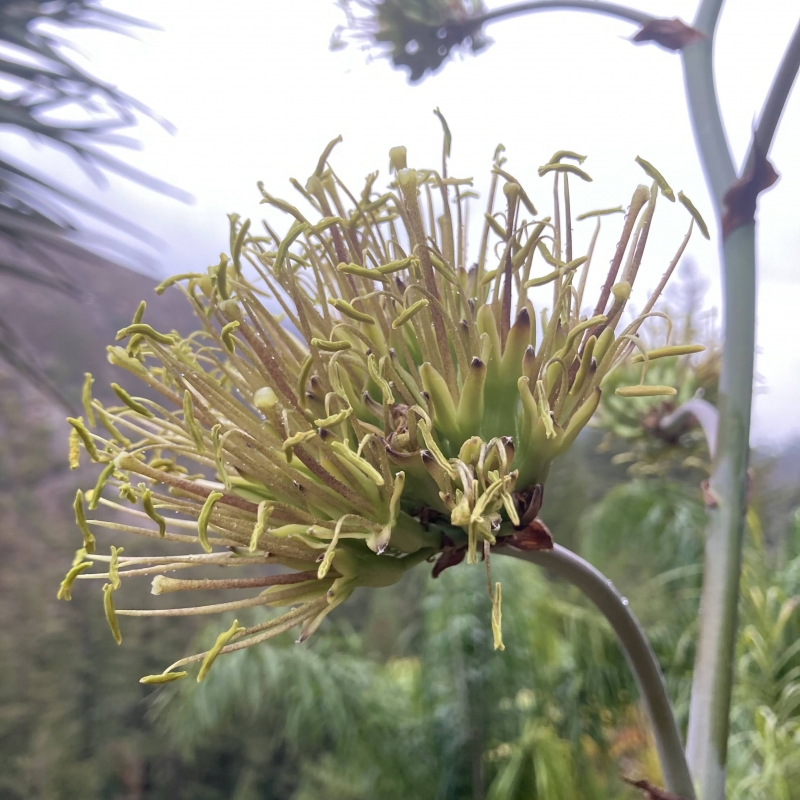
67	335
72	721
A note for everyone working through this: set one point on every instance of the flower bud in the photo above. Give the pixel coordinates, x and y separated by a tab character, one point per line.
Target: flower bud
397	158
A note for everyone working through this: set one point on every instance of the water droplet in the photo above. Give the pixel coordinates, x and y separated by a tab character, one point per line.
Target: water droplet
624	601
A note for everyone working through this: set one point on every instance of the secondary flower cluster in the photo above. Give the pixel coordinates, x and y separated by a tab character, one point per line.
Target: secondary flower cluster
358	398
418	35
635	427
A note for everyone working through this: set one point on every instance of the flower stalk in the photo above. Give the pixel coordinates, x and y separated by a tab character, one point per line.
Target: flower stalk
641	659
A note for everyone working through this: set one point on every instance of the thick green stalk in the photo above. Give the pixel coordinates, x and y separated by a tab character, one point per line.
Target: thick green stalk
707	739
640	656
709	718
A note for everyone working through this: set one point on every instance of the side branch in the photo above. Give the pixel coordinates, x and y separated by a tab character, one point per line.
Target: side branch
776	99
712	682
597	6
638	652
701	93
758	174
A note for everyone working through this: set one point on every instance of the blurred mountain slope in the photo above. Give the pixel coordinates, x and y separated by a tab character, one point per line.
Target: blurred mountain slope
67	335
72	713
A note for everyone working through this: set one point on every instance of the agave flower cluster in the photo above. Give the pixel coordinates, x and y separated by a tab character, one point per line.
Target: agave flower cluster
358	397
418	35
635	426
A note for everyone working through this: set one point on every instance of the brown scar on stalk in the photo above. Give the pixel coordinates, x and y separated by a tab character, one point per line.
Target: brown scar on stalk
711	499
534	536
741	199
672	34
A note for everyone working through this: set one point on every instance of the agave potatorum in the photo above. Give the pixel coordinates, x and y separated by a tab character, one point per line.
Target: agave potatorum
405	410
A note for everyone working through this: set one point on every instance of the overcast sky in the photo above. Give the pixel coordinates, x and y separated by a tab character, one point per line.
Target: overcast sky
255	94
